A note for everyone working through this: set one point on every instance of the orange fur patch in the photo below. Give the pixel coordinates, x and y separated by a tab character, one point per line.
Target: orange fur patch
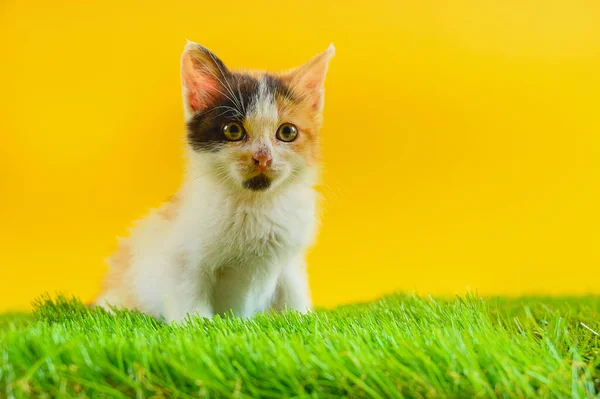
308	121
117	280
169	209
306	113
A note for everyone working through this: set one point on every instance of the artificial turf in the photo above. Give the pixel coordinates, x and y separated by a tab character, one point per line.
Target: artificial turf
400	346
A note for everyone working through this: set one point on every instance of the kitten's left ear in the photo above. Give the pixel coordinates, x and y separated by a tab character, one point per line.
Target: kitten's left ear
308	80
202	74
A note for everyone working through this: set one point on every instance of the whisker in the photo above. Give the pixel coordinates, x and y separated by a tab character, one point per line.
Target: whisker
224	84
240	95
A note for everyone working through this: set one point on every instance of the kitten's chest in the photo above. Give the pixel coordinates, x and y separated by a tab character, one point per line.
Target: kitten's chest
247	267
250	233
256	236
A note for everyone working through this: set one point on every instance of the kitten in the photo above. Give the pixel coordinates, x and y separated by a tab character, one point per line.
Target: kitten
234	237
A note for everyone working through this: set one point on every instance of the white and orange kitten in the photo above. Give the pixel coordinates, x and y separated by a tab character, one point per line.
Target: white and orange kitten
233	239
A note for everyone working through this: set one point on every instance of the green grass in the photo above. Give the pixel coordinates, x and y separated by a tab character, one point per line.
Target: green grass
400	346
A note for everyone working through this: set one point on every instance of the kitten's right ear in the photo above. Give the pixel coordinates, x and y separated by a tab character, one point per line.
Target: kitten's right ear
202	74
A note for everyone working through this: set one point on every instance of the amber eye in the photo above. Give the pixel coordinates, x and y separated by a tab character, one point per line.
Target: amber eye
234	131
287	132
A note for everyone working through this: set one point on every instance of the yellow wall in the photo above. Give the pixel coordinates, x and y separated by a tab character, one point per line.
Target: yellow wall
462	139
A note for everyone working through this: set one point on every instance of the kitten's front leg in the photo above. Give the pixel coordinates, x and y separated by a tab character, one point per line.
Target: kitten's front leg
292	288
190	294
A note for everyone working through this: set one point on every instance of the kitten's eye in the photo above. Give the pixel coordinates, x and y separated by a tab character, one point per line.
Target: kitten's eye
234	131
287	132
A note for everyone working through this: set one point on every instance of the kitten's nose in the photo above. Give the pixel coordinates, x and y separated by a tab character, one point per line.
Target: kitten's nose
262	160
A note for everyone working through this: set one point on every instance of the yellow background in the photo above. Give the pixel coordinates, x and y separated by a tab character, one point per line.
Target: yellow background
461	138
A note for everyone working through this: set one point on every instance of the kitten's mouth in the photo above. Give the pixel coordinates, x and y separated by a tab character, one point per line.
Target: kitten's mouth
257	183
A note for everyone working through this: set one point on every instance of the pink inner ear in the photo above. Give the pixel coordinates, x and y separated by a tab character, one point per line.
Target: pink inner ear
312	84
200	91
200	85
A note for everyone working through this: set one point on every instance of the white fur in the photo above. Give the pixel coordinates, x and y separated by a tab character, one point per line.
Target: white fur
228	249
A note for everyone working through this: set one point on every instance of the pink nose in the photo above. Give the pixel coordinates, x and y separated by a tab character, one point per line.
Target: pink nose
262	160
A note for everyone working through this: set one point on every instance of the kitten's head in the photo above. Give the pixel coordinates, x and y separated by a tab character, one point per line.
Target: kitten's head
252	130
